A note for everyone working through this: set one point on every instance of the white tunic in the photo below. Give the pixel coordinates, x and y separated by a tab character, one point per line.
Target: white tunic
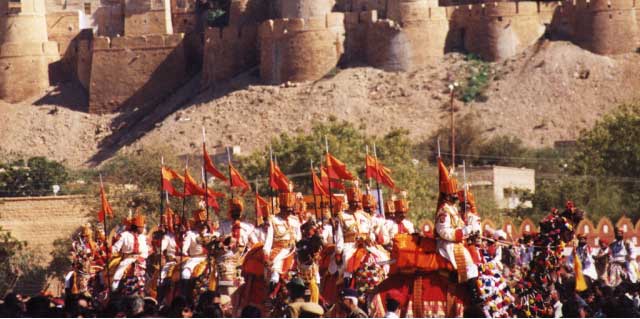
451	230
247	232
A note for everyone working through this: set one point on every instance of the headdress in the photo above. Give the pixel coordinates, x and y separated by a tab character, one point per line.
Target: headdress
401	205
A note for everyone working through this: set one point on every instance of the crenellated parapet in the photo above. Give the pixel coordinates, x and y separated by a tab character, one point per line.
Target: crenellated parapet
228	52
300	49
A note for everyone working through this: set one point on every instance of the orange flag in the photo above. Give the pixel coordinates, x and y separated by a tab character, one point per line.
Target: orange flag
191	188
324	177
209	167
337	169
318	188
237	180
212	200
375	170
277	179
262	209
167	176
106	207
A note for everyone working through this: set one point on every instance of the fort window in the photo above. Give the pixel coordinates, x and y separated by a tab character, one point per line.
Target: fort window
87	8
500	19
15	7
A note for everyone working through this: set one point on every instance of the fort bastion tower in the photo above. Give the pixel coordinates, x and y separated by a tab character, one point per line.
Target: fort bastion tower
306	42
25	51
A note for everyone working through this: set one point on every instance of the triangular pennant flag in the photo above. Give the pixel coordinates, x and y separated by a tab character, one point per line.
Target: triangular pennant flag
237	180
209	167
375	170
167	176
191	188
337	169
106	209
277	179
318	188
262	209
324	177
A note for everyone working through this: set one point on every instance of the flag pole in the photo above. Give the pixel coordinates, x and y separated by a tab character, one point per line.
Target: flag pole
438	146
183	222
375	156
464	187
230	177
204	174
315	199
161	191
453	130
161	221
106	236
273	192
326	148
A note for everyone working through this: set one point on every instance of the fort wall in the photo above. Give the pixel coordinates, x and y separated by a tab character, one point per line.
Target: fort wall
291	9
25	51
606	26
135	71
300	49
228	52
142	17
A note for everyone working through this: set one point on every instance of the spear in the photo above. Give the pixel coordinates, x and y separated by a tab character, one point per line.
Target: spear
464	186
161	220
273	191
315	200
204	175
106	242
375	155
230	177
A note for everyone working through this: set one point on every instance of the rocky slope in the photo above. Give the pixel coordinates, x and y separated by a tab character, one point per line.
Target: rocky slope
548	93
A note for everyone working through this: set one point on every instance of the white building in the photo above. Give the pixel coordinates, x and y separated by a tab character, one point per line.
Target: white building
504	181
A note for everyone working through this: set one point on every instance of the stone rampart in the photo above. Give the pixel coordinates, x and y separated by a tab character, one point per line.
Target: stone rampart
135	71
300	49
606	26
228	52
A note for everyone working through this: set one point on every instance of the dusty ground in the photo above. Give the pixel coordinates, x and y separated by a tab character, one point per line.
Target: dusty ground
541	96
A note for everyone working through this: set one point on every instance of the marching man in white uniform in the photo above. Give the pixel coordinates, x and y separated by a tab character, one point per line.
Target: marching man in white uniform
132	246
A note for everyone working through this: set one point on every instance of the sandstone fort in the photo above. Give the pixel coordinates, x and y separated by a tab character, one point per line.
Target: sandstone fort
129	53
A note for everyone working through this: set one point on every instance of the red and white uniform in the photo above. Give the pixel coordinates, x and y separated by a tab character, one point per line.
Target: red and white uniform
194	250
243	232
451	231
133	247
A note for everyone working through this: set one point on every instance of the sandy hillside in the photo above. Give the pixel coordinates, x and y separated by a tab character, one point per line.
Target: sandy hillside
545	94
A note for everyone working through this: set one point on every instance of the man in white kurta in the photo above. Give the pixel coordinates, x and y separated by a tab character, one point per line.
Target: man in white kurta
583	250
132	246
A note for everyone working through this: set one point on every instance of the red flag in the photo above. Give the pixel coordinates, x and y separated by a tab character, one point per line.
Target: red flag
277	179
191	188
375	170
106	207
237	180
337	169
324	177
212	199
209	167
262	206
318	188
167	176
